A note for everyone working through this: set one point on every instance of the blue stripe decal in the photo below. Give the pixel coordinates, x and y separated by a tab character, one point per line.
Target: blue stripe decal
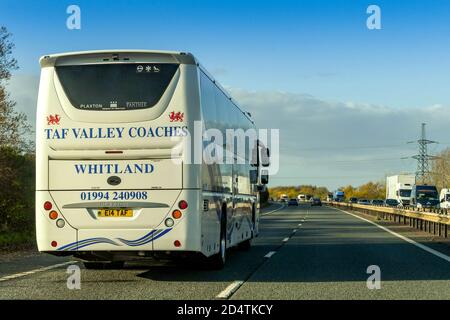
88	244
74	245
161	234
140	240
149	237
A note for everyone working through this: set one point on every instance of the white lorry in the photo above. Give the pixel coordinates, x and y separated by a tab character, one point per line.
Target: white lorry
301	198
444	198
399	187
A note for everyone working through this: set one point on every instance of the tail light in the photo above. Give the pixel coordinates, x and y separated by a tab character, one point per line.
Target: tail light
176	214
53	215
60	223
48	205
169	222
182	204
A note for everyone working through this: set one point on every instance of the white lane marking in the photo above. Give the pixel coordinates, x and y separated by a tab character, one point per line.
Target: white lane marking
26	273
225	294
299	224
285	239
294	231
270	254
419	245
275	210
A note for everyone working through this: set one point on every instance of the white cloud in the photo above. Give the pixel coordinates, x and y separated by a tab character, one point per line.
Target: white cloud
23	89
327	140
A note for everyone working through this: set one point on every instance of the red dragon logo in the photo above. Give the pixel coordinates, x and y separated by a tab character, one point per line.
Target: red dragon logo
53	119
176	116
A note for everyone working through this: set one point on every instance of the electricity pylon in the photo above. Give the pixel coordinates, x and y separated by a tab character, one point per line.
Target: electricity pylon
423	158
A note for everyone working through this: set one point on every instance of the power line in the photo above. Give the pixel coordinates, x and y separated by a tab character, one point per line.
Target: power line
351	147
325	148
348	161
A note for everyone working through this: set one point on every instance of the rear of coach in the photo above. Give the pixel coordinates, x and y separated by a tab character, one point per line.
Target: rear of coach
108	123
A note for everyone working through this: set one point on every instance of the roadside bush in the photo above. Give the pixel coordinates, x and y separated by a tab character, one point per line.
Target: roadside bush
16	195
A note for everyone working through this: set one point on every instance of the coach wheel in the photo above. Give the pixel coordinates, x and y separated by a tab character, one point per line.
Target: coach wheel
217	261
245	245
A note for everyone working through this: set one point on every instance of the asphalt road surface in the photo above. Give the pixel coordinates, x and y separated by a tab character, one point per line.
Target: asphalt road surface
302	253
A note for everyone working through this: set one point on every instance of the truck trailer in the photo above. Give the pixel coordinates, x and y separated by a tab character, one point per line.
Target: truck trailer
445	198
339	196
399	187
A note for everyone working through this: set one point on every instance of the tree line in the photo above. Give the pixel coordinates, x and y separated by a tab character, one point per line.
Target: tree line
16	159
439	176
293	191
440	170
369	190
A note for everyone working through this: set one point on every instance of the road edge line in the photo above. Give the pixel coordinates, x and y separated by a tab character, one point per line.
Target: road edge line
27	273
275	210
228	291
415	243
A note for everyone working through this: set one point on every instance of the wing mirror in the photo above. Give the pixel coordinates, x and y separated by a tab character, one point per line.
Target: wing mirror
265	156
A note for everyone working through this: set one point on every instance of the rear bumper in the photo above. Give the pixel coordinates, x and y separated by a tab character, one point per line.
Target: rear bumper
108	256
68	240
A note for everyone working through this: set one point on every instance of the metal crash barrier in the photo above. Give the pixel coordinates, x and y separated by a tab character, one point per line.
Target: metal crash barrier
432	220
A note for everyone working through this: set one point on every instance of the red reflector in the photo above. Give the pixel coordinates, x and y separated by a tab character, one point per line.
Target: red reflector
54	244
47	205
177	243
182	204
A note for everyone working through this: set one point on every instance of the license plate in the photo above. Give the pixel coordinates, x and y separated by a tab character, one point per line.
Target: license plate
115	213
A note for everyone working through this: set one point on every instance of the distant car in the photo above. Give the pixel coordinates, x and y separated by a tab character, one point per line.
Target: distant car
363	201
316	202
391	202
377	202
292	202
353	200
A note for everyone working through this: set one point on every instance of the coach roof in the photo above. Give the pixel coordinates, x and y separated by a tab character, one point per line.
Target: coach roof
96	56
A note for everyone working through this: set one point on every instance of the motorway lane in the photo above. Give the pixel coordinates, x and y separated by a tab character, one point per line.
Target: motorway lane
326	258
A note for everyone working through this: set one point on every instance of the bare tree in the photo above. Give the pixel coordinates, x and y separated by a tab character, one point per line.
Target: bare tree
440	170
13	124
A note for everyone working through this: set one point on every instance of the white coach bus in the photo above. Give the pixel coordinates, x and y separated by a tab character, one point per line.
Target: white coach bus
114	178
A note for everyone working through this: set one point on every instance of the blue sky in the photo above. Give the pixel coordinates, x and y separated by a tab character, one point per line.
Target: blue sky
317	48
